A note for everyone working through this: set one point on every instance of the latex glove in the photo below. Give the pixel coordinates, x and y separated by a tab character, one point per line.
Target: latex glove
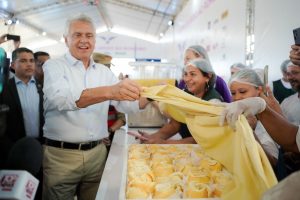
249	106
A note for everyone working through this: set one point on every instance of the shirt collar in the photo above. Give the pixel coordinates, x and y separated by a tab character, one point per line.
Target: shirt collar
74	61
18	81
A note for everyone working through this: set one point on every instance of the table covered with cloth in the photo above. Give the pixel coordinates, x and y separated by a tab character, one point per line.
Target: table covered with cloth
236	149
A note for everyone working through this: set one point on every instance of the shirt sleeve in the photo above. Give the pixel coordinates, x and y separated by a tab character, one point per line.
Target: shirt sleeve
126	106
57	92
266	141
298	138
288	188
222	88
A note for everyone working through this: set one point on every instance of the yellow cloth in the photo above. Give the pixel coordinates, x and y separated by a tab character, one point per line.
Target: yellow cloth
236	150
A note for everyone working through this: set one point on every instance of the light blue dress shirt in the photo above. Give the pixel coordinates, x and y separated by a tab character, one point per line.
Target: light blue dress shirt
29	99
65	78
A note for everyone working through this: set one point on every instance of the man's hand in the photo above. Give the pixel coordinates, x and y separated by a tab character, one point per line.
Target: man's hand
106	141
3	38
17	44
249	106
271	100
126	90
295	54
151	138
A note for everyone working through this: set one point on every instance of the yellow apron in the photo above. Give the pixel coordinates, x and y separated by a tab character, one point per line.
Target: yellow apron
237	150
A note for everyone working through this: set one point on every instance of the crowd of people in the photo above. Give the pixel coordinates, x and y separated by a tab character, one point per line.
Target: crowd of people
72	105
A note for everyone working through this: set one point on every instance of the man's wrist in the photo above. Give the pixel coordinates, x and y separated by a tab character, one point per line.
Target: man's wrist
110	130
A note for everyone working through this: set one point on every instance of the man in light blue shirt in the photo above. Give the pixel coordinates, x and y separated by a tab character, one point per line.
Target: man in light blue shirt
24	67
24	99
77	95
29	99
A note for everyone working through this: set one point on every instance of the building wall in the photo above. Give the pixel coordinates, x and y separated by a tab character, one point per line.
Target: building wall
274	24
217	25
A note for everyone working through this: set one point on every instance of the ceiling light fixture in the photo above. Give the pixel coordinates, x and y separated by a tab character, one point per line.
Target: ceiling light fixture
11	21
8	22
170	22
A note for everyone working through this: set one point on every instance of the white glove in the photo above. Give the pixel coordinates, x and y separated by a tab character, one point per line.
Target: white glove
249	106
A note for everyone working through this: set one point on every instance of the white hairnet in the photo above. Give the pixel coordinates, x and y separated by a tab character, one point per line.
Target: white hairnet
246	76
206	67
239	66
200	51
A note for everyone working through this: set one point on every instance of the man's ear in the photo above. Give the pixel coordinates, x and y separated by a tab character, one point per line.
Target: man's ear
66	40
12	65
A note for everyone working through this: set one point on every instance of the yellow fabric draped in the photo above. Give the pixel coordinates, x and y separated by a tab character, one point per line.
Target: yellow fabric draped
236	150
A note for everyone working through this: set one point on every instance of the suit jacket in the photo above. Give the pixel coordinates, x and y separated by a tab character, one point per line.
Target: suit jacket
280	92
15	128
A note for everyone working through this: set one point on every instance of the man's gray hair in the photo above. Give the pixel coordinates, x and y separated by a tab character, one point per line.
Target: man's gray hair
81	17
284	65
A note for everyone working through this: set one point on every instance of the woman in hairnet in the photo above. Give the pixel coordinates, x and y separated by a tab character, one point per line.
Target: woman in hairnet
244	84
197	51
234	68
283	132
199	78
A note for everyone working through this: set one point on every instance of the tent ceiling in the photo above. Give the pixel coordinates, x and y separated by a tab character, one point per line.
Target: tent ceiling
148	17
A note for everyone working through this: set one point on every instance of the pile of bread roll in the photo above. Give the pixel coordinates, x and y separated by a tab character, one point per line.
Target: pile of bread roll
173	172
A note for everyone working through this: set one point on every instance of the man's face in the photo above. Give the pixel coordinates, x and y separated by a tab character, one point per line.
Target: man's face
24	65
39	74
293	75
81	40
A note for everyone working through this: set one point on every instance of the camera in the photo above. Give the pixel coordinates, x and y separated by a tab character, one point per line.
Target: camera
296	33
13	37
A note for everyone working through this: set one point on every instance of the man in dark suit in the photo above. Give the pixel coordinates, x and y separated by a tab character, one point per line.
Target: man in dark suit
25	101
282	87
